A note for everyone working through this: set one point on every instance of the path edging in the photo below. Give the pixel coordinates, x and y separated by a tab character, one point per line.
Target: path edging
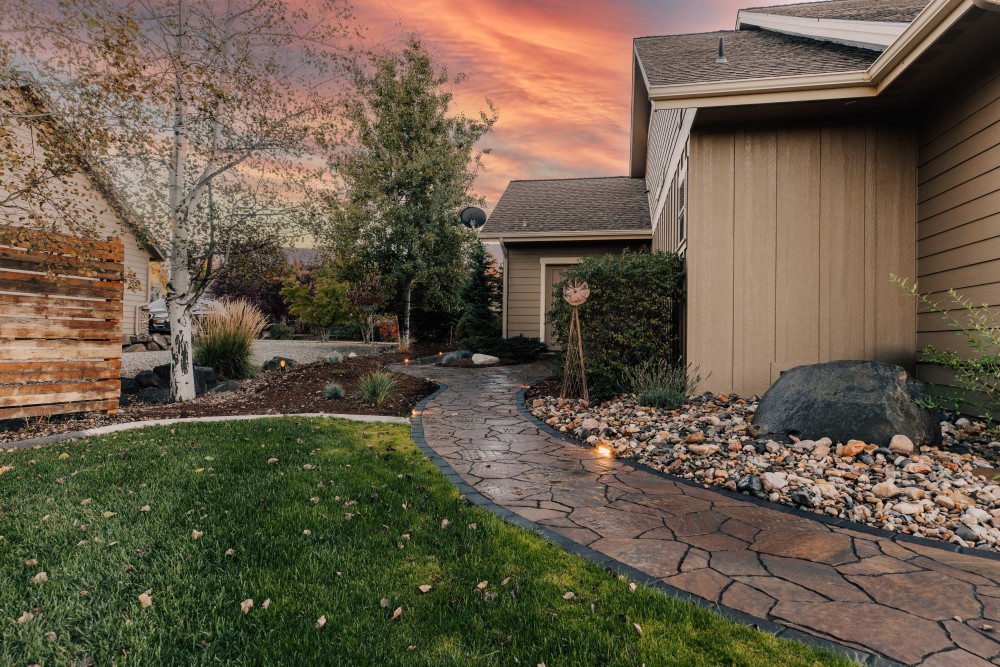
616	566
762	502
56	438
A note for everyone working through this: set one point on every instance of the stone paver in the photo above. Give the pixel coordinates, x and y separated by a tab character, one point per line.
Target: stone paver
896	600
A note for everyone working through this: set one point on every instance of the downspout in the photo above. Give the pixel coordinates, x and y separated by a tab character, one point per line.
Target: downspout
503	288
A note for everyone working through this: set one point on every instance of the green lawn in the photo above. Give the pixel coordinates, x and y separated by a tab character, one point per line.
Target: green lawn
76	510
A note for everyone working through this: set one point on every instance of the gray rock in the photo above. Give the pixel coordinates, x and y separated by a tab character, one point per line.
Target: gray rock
135	347
163	371
123	401
160	341
204	379
153	395
274	363
801	498
226	387
147	379
484	359
751	484
967	534
848	400
128	385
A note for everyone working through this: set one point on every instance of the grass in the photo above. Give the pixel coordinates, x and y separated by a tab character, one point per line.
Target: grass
216	479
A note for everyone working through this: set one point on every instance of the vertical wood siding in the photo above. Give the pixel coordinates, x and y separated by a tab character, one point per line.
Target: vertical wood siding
793	234
667	133
959	203
524	275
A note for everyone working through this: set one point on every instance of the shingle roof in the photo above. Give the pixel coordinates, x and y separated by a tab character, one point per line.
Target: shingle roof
892	11
571	205
752	54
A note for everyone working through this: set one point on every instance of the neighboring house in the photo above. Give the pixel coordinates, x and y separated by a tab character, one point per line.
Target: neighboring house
95	196
305	258
830	145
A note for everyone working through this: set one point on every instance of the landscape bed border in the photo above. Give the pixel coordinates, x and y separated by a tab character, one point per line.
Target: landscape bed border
836	522
613	565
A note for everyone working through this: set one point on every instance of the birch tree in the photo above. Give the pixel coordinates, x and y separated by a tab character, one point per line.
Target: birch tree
206	114
408	170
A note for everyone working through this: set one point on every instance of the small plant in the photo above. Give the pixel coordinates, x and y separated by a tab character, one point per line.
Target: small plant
225	338
334	357
977	378
376	388
661	384
333	391
457	355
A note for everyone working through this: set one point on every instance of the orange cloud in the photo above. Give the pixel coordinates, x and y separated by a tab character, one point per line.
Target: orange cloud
558	70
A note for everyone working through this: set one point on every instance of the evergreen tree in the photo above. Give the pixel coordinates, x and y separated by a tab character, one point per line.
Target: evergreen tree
480	291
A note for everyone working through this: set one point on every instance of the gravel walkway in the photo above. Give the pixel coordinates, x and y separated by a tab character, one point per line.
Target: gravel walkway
891	600
301	351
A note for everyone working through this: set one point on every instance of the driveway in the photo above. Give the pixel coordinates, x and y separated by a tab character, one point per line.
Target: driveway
301	351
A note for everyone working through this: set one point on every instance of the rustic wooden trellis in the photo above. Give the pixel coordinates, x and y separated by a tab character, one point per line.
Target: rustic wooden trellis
60	324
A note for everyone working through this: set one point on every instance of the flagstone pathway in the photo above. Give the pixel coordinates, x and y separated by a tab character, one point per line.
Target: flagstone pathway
883	598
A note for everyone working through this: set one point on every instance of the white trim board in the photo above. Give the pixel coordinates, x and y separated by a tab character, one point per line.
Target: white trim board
874	35
544	263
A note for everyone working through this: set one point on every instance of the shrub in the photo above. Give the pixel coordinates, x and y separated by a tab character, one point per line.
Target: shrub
254	270
376	387
334	357
333	390
630	317
479	295
317	298
225	338
518	347
280	331
661	384
977	379
457	355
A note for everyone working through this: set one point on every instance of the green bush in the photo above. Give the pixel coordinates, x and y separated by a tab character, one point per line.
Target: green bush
457	355
334	357
225	338
661	384
280	331
631	316
520	348
977	379
376	387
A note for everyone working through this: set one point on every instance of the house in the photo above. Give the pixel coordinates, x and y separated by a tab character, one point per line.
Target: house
88	192
796	162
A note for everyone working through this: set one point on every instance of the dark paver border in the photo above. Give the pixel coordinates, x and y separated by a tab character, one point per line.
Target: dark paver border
836	522
616	566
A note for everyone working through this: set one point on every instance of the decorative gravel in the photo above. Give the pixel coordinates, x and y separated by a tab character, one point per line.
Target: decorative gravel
303	352
948	493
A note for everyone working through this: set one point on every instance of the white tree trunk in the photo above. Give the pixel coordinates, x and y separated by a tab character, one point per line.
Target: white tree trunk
404	334
182	386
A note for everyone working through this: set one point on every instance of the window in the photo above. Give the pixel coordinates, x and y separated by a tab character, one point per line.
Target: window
681	210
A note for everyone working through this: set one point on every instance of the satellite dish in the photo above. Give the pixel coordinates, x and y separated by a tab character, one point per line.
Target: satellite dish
473	218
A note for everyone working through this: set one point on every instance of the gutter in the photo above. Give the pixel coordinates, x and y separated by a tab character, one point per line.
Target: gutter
568	236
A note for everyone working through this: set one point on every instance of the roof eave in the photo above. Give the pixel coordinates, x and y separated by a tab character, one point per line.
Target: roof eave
929	25
578	235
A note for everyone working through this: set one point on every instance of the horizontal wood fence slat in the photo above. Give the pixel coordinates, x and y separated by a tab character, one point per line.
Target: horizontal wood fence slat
60	324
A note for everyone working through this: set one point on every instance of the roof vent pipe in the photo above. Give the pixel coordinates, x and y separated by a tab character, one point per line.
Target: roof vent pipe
721	60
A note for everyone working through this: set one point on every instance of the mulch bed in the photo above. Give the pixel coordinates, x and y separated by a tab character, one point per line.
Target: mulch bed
296	390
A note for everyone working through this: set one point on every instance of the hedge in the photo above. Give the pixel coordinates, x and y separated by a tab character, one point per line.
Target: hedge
632	315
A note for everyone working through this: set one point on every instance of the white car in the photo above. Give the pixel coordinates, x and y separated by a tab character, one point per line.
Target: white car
159	320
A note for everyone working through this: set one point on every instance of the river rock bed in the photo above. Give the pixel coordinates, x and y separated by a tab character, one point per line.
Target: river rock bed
949	492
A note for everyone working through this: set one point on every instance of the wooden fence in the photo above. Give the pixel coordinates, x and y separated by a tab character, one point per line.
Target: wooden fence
60	325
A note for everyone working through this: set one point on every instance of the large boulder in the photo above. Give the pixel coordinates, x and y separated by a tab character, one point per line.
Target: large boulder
160	341
204	377
274	363
153	395
848	400
484	359
147	379
128	385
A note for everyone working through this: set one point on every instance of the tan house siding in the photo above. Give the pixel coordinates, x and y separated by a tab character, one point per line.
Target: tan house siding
793	235
666	161
524	275
91	202
959	203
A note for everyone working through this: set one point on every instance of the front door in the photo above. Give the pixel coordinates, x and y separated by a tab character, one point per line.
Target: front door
554	274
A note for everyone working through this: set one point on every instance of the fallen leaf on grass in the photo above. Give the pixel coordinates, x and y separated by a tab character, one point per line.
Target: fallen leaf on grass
272	460
445	524
569	595
209	458
229	552
145	508
31	562
265	604
489	595
384	602
504	582
472	526
25	617
50	635
85	501
631	586
195	534
411	646
637	628
200	470
314	499
82	542
481	585
307	532
108	515
320	622
145	600
63	456
395	614
40	577
424	588
246	605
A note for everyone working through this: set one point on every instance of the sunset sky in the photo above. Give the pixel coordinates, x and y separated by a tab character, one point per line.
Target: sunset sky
559	71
